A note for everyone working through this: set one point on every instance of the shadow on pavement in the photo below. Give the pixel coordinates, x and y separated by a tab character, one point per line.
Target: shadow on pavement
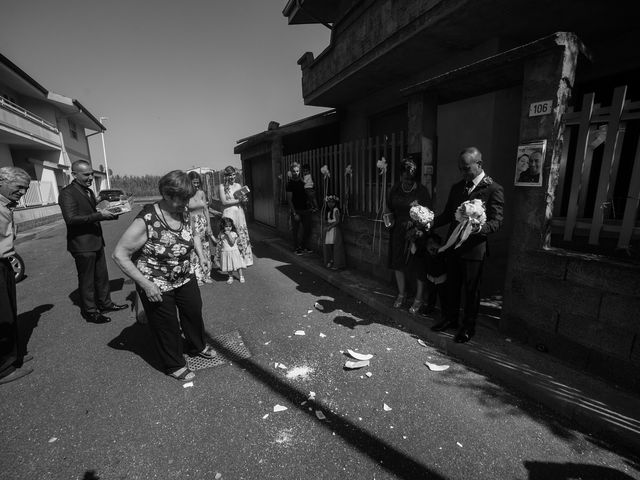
491	390
135	339
567	471
28	321
385	454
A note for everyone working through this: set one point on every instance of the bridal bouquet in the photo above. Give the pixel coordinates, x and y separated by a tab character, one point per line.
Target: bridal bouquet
471	216
421	220
421	216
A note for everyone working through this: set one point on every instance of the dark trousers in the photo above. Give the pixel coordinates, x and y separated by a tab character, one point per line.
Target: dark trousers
463	276
436	292
93	280
179	311
9	343
301	239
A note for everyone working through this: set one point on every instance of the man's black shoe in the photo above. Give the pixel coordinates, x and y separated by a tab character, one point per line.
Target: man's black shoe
114	307
298	251
95	318
306	250
444	325
463	336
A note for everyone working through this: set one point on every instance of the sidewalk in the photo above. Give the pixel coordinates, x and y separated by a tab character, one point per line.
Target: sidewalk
589	404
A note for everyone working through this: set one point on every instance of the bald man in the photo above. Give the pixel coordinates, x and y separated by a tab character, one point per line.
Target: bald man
464	264
86	244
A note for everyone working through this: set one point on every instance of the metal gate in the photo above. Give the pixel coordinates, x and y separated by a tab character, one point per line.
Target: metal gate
262	190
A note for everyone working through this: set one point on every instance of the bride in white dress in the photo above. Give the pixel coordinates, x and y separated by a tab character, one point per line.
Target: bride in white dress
233	209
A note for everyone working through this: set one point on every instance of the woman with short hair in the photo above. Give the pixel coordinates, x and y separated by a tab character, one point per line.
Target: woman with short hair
155	253
402	196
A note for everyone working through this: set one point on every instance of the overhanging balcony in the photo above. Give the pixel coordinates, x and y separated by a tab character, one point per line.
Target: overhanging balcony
378	49
22	128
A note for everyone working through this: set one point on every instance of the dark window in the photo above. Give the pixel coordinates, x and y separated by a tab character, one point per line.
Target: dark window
73	130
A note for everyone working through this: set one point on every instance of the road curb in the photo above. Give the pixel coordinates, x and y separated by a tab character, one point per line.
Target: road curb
603	411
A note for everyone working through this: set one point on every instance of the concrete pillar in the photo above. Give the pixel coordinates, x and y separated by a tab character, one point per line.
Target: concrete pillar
423	120
547	76
276	168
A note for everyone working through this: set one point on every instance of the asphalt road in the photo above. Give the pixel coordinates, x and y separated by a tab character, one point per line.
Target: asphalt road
97	406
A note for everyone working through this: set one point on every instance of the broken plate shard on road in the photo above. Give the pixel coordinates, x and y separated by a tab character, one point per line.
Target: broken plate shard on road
359	364
436	368
279	408
360	356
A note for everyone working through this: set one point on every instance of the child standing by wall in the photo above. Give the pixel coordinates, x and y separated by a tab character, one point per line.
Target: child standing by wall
333	249
436	269
309	188
230	258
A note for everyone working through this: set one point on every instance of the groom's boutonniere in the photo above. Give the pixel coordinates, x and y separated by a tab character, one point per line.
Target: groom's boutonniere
487	180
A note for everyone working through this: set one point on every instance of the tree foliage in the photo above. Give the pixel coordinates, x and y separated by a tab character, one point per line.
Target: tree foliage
139	186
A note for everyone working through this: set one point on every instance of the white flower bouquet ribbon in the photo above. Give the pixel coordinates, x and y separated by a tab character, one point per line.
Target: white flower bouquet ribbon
471	216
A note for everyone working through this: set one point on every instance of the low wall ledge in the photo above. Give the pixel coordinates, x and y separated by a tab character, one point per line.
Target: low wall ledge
585	257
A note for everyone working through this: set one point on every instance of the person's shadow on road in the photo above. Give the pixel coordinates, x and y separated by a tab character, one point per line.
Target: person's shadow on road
28	321
136	338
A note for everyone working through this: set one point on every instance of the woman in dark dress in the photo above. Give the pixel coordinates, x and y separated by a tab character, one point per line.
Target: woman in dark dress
402	196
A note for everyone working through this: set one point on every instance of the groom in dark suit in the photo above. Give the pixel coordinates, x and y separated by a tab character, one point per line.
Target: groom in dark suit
464	264
86	245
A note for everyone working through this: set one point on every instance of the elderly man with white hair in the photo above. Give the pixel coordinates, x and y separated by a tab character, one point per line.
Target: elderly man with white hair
14	183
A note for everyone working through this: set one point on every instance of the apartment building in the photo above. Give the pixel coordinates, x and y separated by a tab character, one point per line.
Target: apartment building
42	132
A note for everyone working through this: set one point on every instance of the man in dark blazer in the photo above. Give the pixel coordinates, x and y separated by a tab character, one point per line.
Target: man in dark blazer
86	245
464	264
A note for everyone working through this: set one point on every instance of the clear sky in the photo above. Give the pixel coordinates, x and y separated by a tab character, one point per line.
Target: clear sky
180	81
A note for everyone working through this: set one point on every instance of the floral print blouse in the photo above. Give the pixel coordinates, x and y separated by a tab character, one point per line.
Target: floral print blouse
164	258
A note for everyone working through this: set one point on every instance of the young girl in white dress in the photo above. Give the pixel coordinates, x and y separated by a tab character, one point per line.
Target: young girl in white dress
230	258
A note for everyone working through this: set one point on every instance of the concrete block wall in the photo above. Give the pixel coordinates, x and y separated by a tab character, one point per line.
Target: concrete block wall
584	309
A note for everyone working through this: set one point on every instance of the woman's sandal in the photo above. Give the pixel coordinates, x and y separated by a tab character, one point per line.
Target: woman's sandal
399	301
230	280
415	308
207	353
183	374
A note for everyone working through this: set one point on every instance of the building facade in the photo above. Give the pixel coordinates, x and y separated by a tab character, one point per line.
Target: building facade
556	81
43	133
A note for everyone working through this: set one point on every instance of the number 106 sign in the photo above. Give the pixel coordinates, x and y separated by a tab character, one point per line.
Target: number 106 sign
540	108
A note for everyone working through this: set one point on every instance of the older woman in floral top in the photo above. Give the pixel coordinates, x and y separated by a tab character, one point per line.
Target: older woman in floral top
155	253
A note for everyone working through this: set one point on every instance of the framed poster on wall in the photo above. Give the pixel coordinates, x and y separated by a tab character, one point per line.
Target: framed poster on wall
529	162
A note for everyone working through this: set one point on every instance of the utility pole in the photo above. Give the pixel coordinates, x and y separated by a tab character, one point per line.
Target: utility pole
104	152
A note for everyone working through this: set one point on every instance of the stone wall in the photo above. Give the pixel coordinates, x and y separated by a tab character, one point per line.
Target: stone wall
28	218
584	309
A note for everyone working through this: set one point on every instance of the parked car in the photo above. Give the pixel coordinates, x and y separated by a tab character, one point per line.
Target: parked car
18	266
111	195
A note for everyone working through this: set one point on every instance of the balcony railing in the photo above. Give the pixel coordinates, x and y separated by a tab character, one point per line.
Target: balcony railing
39	193
18	110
